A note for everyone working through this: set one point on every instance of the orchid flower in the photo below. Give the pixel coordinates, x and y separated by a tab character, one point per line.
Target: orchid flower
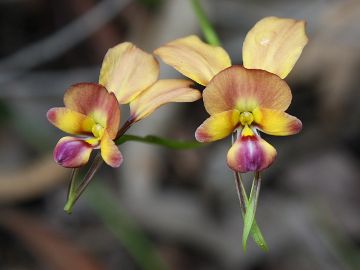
128	76
244	99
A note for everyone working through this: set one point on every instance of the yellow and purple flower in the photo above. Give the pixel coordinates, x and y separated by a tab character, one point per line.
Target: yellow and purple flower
92	113
128	76
244	99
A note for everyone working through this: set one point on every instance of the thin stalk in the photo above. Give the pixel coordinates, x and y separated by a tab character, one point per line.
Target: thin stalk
124	128
205	25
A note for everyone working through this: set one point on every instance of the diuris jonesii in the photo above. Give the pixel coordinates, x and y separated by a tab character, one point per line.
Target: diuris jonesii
244	99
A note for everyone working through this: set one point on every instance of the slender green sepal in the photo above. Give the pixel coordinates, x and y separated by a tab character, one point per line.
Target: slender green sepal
251	209
75	189
255	230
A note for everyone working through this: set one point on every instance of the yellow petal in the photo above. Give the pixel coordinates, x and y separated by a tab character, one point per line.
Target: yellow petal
110	152
160	93
217	126
274	44
245	89
277	123
194	58
70	121
127	70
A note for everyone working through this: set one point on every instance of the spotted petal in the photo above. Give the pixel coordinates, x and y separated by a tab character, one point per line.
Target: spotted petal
72	152
246	89
217	126
194	58
160	93
95	101
110	152
274	44
276	122
127	70
70	121
250	154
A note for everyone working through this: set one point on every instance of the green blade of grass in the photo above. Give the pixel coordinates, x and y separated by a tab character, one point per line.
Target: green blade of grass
209	33
108	209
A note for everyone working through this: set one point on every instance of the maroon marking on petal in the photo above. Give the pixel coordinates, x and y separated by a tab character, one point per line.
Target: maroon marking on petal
201	135
51	115
295	126
116	160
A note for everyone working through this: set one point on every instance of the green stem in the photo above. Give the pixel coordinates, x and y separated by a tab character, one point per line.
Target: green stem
150	139
206	27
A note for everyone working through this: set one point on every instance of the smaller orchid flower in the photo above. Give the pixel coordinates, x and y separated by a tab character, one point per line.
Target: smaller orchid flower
128	76
244	99
92	113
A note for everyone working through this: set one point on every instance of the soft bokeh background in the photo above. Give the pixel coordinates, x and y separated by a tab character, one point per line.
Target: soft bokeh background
183	203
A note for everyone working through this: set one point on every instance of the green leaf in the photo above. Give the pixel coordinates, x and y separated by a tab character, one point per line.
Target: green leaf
109	210
251	209
206	27
169	143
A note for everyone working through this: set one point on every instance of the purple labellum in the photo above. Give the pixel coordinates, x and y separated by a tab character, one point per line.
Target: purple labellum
72	152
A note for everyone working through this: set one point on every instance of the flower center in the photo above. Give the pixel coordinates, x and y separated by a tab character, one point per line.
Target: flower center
246	118
97	130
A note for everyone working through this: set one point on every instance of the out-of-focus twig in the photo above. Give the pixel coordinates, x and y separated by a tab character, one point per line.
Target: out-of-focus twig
51	248
32	181
61	41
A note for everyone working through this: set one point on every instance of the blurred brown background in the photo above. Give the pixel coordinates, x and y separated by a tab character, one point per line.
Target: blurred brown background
183	202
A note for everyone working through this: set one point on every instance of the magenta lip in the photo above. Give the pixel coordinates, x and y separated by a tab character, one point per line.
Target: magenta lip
70	154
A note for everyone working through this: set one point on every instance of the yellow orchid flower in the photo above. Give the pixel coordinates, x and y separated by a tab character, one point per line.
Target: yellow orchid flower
244	99
128	75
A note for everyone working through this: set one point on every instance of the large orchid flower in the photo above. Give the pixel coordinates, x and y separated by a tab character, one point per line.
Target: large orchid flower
244	99
128	76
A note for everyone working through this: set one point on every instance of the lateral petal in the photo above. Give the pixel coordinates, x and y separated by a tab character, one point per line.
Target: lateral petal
246	89
128	70
194	59
274	44
72	152
95	101
217	126
161	93
110	152
250	154
70	121
275	122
